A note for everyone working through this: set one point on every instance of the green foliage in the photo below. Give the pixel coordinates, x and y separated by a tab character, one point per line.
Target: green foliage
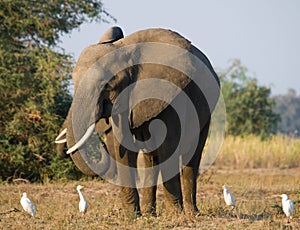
44	21
34	79
249	107
60	169
288	106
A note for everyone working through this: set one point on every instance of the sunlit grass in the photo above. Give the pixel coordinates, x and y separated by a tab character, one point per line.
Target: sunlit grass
251	152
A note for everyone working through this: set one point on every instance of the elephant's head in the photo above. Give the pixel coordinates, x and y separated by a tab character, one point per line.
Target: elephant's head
103	127
125	81
111	35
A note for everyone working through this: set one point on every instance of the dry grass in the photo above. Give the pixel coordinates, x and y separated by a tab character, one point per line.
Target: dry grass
250	152
255	181
255	192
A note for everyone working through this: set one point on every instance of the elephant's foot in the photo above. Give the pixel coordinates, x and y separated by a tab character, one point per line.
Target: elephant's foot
130	201
131	214
150	211
149	208
148	205
191	209
173	198
149	200
173	208
173	194
189	182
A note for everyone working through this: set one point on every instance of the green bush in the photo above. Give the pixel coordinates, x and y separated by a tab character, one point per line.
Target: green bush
34	79
249	107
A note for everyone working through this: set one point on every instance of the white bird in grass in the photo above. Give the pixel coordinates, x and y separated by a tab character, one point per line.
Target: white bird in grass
27	205
83	204
228	197
287	206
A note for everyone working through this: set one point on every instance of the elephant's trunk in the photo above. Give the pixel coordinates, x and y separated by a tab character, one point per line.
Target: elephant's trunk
89	154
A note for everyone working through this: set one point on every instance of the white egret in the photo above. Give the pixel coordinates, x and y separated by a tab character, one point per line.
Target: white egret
287	206
27	205
83	204
228	197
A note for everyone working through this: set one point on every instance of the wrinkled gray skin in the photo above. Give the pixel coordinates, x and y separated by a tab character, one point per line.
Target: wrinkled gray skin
179	191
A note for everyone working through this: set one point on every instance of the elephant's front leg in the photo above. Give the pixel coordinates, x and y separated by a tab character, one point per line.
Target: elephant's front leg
149	191
189	181
127	162
171	183
190	174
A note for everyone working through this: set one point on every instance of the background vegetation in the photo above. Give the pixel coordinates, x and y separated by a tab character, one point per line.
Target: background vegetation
249	107
288	106
250	152
34	78
34	96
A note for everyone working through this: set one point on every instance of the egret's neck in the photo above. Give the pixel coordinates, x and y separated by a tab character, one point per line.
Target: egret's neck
80	194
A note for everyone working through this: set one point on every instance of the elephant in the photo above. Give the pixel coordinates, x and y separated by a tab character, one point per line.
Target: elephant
147	88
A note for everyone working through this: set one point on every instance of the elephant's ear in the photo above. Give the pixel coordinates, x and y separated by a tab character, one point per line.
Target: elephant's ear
158	95
164	42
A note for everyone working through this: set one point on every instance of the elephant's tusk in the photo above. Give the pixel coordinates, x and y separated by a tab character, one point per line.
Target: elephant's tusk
60	135
61	141
80	143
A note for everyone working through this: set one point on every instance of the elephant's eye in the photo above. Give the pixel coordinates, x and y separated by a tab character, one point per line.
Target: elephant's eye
108	86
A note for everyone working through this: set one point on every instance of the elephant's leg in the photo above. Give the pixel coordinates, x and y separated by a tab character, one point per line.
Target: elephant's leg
127	162
111	173
190	173
171	184
149	192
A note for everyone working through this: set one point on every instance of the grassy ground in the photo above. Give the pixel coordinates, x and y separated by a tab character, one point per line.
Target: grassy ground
255	172
255	192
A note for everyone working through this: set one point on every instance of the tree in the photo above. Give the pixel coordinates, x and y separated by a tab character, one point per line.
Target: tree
249	107
288	106
34	80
